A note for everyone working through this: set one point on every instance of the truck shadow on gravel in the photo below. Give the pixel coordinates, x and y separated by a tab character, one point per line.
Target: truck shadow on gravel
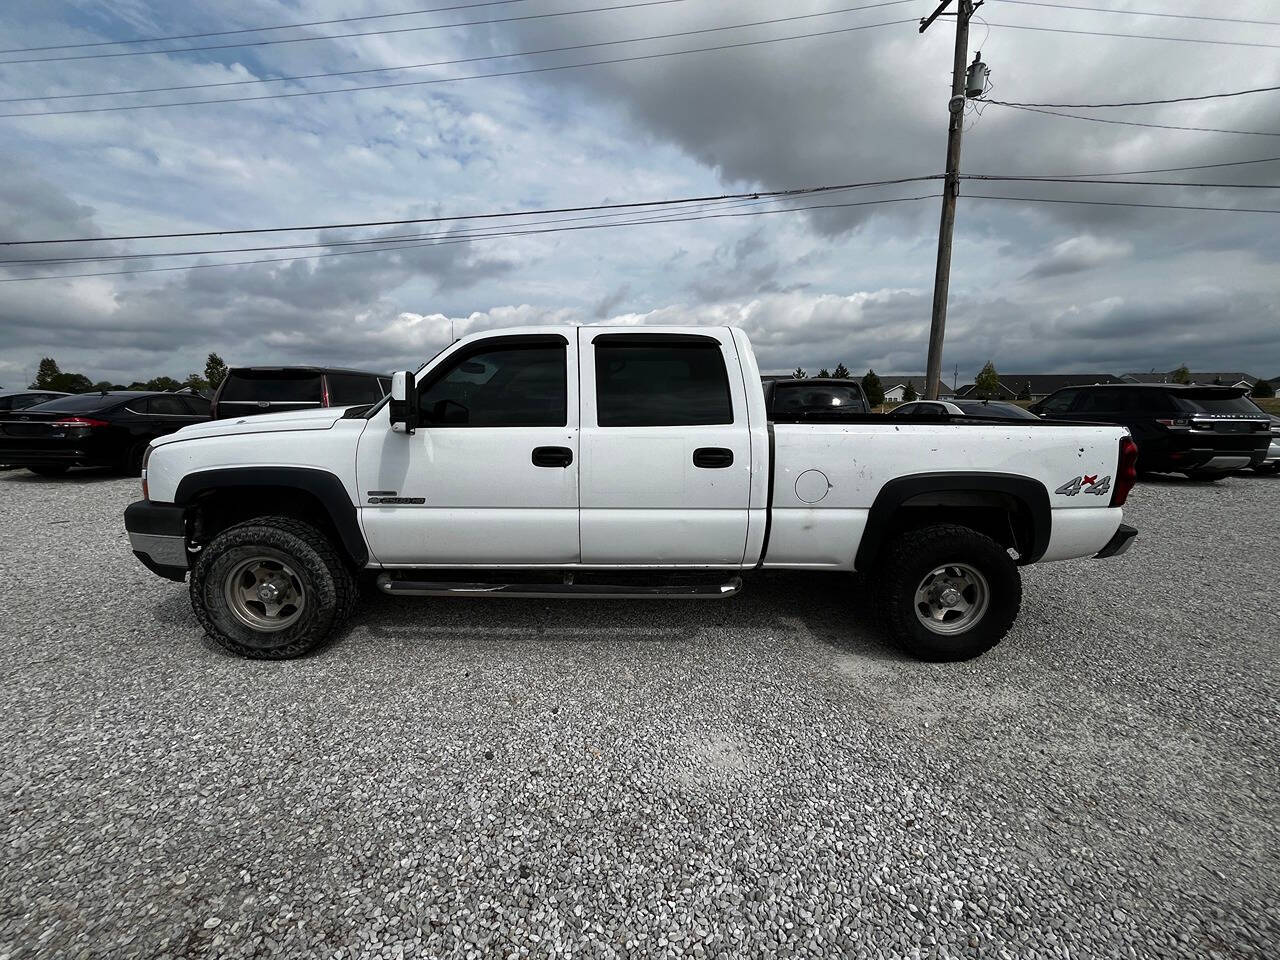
834	609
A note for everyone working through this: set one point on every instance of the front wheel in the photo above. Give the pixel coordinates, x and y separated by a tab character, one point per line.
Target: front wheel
949	592
272	588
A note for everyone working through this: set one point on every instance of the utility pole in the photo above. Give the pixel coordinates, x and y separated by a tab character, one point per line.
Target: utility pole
950	188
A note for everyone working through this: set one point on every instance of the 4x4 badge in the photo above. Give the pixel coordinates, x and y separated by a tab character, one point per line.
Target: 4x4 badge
1089	484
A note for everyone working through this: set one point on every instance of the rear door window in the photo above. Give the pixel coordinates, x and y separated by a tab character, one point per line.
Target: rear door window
1060	402
165	407
349	389
655	380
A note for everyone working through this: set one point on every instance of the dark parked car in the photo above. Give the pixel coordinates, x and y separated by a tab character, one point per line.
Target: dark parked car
109	429
249	390
20	399
985	409
814	399
1203	432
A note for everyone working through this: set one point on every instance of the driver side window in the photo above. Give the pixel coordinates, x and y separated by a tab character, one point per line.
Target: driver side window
508	386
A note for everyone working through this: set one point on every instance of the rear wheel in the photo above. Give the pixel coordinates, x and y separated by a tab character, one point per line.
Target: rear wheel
948	592
51	470
272	588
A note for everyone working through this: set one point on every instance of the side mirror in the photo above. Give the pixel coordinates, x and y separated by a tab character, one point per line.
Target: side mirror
404	402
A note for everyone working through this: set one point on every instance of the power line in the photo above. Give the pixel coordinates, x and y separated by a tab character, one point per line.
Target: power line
1131	123
280	26
755	194
1134	173
478	76
341	36
1132	36
692	206
1140	13
412	246
1139	103
435	63
1122	203
1138	183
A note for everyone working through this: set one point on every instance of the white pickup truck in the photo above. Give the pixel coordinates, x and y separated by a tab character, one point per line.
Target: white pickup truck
616	462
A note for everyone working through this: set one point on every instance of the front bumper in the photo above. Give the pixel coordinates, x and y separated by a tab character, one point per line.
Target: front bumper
1119	543
158	536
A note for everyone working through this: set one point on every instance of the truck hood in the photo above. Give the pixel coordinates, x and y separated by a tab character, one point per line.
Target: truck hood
321	418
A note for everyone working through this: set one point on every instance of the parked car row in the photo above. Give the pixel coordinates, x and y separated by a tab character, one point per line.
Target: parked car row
1204	432
49	432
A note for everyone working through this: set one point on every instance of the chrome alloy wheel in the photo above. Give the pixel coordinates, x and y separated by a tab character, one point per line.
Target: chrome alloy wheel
952	598
264	594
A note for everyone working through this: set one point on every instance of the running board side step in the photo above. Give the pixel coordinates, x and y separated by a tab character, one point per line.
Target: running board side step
589	591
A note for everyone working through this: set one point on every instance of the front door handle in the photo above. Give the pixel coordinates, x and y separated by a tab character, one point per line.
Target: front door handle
713	458
552	456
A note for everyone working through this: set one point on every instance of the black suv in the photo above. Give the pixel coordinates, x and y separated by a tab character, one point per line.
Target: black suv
813	399
1203	432
249	390
108	429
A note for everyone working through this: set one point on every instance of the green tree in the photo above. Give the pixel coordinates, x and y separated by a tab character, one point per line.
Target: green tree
987	384
196	382
162	383
824	372
1181	375
841	372
1263	389
909	393
872	387
798	374
215	371
46	374
1025	392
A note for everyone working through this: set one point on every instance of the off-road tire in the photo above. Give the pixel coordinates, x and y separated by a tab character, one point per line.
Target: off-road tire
908	561
51	470
329	589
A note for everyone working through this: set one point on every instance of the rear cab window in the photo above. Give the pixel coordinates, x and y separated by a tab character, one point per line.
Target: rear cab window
795	399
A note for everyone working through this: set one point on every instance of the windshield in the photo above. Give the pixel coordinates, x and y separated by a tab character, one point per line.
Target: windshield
982	408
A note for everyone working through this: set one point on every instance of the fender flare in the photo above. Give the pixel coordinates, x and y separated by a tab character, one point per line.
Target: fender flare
1032	494
321	484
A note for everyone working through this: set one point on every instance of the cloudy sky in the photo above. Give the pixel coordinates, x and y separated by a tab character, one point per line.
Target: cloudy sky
1036	287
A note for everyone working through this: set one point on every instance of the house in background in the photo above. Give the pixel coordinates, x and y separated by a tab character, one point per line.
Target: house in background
1037	386
1230	378
895	385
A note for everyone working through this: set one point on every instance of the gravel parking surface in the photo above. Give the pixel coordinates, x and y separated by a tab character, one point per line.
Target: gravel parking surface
756	778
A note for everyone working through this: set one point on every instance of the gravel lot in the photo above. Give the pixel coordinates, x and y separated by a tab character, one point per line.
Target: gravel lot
758	778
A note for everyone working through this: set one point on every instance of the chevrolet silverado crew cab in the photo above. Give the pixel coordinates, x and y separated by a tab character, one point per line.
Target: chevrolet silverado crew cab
614	462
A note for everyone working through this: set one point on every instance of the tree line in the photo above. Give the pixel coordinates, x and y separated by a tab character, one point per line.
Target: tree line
49	376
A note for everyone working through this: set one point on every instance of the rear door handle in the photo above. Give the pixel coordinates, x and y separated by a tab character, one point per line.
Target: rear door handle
713	458
552	456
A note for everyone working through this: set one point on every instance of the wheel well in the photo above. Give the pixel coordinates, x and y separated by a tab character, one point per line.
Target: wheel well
213	511
1012	510
1003	517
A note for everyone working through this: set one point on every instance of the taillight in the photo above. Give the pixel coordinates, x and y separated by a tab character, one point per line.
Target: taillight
1126	472
80	422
